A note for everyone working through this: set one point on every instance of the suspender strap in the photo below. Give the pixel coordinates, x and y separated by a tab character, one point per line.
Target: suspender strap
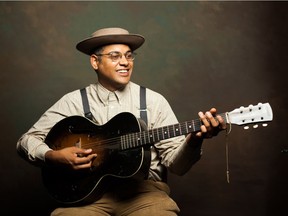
85	103
143	111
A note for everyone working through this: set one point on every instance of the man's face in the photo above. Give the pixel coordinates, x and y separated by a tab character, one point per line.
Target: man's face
113	74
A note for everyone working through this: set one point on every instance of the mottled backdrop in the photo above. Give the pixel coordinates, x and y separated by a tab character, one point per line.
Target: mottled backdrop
197	54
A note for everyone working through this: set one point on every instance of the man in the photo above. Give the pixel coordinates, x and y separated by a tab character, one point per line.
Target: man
111	52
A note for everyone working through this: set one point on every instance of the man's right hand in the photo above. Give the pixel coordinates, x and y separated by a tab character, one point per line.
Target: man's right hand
71	157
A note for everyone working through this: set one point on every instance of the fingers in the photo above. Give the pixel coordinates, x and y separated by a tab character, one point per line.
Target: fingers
83	158
222	123
84	162
208	121
211	123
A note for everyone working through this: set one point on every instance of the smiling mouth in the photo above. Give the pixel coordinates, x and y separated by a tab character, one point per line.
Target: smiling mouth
123	71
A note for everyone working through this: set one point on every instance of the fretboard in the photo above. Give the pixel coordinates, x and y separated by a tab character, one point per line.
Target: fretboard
149	137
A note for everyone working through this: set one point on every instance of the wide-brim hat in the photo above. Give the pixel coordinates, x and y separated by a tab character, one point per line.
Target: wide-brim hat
108	36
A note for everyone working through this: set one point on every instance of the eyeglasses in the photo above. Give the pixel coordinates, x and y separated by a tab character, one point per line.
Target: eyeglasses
116	56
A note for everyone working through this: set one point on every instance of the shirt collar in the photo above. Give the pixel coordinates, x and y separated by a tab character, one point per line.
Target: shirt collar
103	93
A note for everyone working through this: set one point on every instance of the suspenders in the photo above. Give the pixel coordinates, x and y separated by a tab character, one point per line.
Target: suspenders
143	112
85	103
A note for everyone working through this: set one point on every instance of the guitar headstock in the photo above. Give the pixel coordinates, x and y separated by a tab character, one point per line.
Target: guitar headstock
251	115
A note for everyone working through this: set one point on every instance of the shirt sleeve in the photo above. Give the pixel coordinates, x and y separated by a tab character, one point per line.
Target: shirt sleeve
176	153
31	145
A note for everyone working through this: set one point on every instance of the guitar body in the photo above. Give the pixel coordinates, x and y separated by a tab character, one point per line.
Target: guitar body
70	186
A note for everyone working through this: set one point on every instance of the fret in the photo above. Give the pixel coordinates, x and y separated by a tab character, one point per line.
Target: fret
180	130
174	132
157	134
130	141
198	125
125	142
161	134
121	142
193	123
150	134
191	127
144	135
139	140
133	140
177	130
166	132
148	137
186	125
170	130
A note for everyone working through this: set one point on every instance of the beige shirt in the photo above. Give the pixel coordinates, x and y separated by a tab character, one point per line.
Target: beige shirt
174	153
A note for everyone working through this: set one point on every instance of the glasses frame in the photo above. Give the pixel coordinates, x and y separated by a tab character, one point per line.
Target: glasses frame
119	56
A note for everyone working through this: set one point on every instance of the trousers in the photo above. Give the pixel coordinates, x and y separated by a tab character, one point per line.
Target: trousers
140	199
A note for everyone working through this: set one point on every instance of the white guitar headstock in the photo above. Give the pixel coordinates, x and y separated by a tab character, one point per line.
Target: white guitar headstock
251	115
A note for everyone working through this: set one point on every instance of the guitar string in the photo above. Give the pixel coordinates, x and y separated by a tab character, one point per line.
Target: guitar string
141	135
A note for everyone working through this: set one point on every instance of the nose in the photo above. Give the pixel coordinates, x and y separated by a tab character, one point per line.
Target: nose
123	60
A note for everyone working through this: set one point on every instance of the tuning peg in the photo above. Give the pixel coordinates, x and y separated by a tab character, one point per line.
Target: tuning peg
246	127
255	126
264	124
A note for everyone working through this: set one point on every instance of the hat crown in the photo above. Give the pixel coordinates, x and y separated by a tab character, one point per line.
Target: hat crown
110	31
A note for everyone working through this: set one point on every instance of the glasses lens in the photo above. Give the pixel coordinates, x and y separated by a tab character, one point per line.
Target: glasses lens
129	56
115	56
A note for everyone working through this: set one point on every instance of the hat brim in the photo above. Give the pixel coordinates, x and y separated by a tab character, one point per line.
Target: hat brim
89	45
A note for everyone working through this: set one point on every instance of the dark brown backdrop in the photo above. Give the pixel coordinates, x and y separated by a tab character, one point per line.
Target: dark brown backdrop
197	54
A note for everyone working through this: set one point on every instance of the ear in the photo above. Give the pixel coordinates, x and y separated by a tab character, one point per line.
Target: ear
94	61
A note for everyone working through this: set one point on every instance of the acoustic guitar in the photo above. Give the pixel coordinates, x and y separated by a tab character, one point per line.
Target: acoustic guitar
120	147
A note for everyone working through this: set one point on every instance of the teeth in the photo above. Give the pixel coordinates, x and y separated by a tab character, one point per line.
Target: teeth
122	71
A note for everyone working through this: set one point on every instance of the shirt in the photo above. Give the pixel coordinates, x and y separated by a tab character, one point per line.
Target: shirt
175	153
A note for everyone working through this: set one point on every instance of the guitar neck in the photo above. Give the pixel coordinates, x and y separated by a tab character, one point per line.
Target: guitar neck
149	137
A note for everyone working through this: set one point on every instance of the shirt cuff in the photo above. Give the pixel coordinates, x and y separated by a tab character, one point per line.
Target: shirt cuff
41	151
